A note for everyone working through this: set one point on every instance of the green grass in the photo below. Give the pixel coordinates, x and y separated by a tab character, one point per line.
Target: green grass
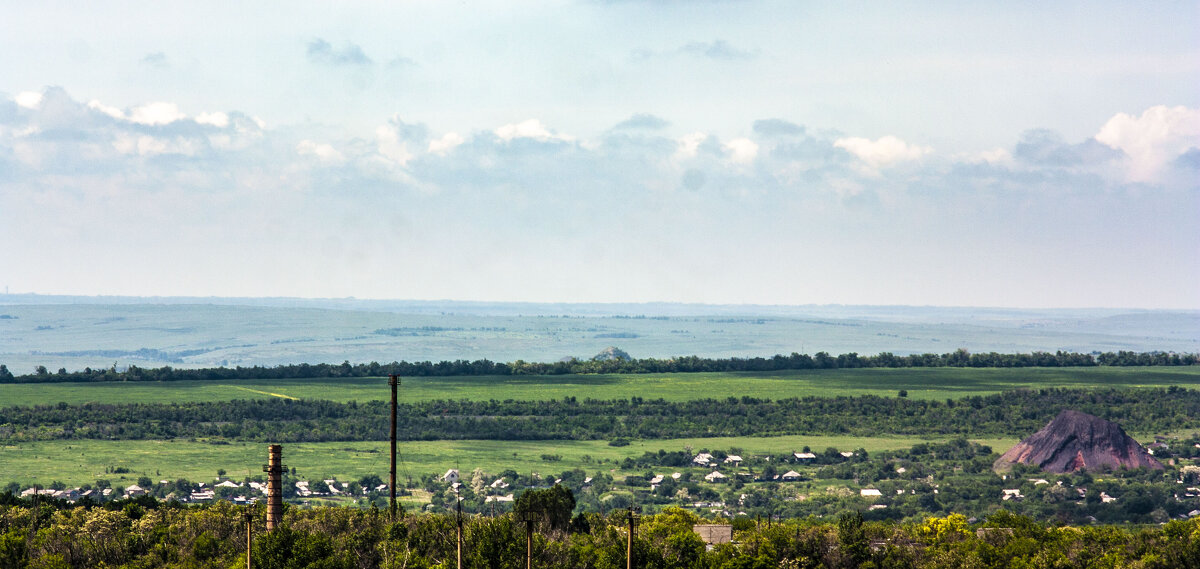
921	383
80	462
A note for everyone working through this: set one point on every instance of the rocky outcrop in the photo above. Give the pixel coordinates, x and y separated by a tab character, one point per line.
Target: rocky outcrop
612	353
1073	441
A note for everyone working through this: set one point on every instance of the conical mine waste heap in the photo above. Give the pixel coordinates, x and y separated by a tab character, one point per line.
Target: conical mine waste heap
1075	440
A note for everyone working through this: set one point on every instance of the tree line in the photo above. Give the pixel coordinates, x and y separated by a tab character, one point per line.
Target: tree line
684	364
152	534
1015	413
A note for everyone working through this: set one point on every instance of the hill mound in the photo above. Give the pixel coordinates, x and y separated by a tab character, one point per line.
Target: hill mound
612	353
1075	440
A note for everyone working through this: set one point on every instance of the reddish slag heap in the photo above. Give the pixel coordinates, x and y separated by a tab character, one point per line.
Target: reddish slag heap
1075	440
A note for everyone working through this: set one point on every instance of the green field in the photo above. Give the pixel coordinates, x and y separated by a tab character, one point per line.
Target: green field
80	462
926	383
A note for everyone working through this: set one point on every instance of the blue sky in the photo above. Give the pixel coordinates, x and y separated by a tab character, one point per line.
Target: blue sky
728	152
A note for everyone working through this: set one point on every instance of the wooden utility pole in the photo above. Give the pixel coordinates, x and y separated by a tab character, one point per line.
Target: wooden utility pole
529	520
393	382
249	518
629	543
458	507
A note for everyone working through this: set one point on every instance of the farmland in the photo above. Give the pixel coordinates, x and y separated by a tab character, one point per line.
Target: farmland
83	461
922	383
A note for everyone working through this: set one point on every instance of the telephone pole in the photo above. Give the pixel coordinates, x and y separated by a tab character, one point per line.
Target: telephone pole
529	520
458	507
249	518
393	382
629	543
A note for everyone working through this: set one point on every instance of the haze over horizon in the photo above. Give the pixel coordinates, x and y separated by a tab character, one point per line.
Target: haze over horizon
772	153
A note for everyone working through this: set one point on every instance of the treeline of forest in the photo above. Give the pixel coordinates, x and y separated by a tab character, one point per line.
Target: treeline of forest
686	364
1016	413
150	534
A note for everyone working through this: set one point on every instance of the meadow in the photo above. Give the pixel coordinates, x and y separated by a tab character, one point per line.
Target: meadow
920	383
84	461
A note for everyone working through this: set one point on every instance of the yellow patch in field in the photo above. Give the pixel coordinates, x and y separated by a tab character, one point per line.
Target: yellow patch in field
265	392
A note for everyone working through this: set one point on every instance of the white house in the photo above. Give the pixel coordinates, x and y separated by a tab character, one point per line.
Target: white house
451	476
790	475
870	493
703	459
804	455
714	476
733	459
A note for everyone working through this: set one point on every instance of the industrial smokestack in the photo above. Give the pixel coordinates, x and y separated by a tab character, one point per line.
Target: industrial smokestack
274	469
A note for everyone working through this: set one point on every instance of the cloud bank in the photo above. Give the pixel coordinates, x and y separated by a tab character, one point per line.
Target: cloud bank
158	199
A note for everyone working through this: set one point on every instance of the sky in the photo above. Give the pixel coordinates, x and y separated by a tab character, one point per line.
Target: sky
1012	154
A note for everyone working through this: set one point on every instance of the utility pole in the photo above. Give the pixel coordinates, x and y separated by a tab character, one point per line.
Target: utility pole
249	518
529	520
629	543
458	507
393	382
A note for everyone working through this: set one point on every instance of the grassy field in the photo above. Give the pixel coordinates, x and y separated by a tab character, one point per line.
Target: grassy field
80	462
927	383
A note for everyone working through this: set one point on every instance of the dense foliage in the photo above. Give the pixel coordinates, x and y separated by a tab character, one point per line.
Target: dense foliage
148	534
1015	413
688	364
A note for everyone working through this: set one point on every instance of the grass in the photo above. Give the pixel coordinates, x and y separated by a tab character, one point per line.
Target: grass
80	462
921	383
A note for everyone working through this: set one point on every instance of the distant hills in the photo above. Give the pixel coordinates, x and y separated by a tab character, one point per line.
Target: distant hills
76	332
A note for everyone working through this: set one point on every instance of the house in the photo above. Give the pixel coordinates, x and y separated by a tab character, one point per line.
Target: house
202	496
790	476
658	478
877	507
714	476
451	476
134	490
703	459
675	475
500	484
1105	498
1011	494
733	459
847	454
507	498
870	493
804	455
229	484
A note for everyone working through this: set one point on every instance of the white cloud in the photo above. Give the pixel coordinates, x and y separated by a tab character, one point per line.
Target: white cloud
689	144
993	156
1152	140
219	120
742	150
156	113
391	146
324	152
885	151
110	111
531	128
28	99
445	144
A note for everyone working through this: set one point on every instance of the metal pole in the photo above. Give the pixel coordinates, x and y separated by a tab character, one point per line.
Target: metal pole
249	517
629	543
393	382
458	506
529	541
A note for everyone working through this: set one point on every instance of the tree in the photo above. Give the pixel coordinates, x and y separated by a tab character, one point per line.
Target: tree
852	540
552	506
